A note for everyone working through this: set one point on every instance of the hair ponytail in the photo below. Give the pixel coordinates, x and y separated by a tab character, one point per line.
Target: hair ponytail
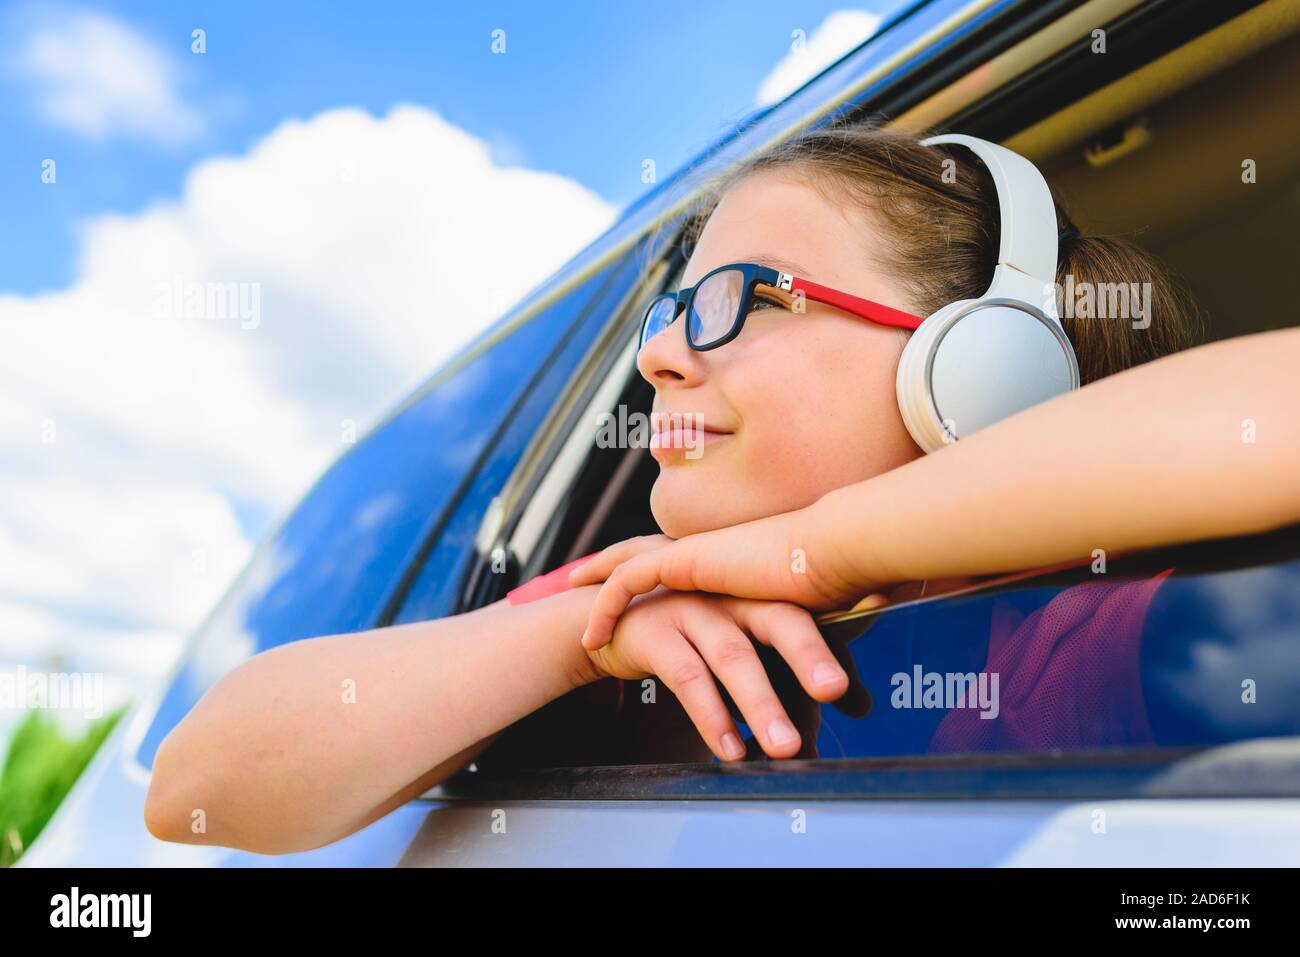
1120	307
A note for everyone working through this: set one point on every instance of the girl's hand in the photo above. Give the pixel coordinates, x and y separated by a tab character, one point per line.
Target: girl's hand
689	640
791	557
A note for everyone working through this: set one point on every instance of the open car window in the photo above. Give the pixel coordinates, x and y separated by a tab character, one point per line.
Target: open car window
1155	653
1124	662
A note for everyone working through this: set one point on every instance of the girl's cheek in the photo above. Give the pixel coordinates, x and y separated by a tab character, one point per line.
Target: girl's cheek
792	424
843	425
809	383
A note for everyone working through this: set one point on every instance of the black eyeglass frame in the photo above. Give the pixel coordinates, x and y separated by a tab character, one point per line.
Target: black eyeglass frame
753	275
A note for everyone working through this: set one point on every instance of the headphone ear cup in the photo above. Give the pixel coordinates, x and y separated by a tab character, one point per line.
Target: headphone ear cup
912	386
977	362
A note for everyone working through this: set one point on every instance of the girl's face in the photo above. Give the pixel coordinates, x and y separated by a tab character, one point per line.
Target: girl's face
798	404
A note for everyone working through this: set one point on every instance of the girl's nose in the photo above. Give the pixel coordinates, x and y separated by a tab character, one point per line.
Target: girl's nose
668	358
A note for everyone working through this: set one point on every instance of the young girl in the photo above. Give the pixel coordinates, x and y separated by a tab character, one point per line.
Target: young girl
804	448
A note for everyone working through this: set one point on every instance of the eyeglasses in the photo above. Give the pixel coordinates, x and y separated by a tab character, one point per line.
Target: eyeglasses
717	305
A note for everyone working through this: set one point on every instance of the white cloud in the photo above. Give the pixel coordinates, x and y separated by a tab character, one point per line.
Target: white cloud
97	77
133	436
839	33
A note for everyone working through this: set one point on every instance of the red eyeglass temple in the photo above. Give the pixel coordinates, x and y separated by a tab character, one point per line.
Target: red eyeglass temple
865	308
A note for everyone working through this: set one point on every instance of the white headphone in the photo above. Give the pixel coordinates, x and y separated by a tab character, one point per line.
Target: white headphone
977	361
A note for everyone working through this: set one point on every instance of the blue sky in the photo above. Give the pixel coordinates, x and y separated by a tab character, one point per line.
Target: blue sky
373	181
585	89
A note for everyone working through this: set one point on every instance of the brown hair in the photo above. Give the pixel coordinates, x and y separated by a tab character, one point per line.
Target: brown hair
944	230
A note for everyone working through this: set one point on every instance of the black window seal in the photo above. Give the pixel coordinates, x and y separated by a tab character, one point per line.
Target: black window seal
1079	775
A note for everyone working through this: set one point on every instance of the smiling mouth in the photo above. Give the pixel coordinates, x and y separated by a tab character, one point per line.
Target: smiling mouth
683	442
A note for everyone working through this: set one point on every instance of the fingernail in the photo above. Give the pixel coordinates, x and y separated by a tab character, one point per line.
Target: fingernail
731	746
825	674
781	732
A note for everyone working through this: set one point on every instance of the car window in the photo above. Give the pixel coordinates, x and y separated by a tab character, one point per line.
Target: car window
1165	651
334	565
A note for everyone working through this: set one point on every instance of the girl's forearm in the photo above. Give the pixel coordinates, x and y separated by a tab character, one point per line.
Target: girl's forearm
1201	444
310	741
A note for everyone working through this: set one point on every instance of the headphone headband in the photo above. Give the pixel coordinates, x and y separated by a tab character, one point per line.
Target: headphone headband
1029	237
977	361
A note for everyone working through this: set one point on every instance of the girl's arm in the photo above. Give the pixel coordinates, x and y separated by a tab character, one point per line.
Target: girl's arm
1201	444
310	741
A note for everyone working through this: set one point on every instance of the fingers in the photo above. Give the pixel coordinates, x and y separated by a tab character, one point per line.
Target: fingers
636	576
598	567
732	658
680	667
791	631
856	702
